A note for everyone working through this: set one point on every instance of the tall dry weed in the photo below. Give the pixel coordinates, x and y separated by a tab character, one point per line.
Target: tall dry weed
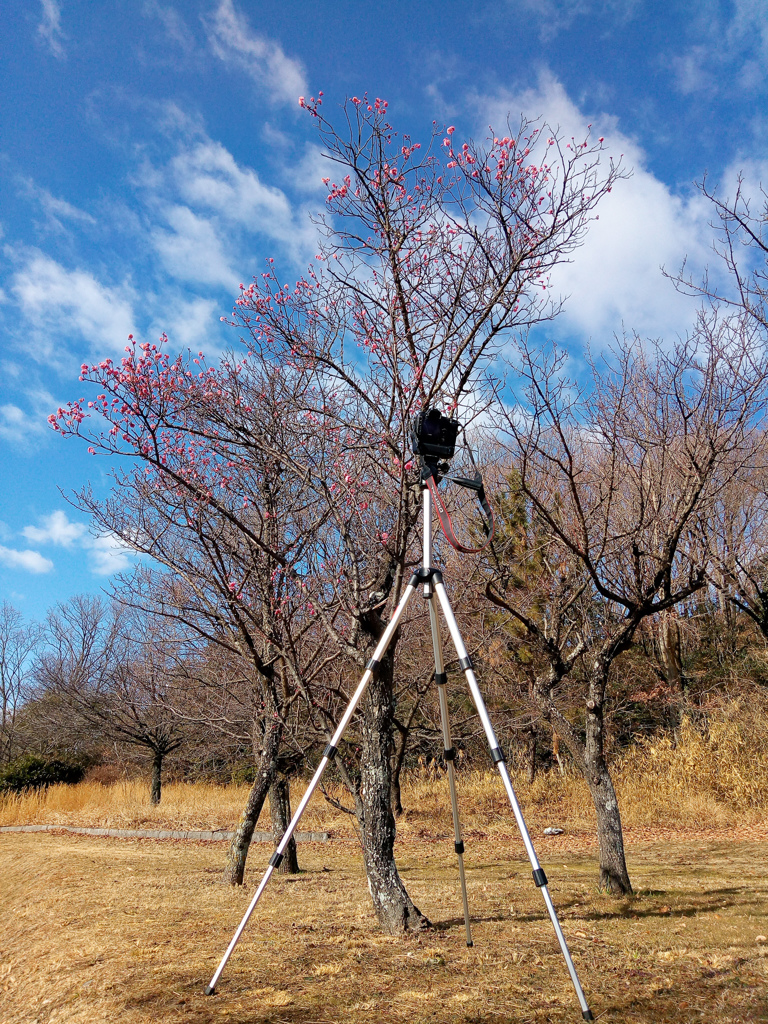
713	770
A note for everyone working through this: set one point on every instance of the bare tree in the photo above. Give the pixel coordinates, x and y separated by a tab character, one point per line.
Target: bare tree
18	643
741	247
617	480
93	668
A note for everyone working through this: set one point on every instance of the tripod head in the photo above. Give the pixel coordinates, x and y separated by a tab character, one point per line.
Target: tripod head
433	437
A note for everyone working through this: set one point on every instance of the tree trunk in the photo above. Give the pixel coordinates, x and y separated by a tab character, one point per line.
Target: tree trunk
669	649
396	794
556	752
394	908
157	769
614	877
265	773
280	813
589	757
532	738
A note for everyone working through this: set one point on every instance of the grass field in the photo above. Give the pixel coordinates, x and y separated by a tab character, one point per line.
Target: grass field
130	931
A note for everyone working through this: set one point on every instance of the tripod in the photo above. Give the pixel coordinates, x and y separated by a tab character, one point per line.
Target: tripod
433	589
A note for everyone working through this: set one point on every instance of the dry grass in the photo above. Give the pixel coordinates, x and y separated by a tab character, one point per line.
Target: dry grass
717	777
108	930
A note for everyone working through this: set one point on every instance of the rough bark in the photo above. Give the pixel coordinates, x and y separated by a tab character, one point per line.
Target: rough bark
556	752
157	769
395	910
589	757
614	877
234	871
280	814
396	799
669	649
531	752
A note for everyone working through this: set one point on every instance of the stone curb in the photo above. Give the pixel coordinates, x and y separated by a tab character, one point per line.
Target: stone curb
139	833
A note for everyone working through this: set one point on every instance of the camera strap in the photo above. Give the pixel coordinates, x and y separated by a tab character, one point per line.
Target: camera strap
476	485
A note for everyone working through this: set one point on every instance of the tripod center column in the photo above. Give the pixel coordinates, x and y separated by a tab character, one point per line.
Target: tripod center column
427	537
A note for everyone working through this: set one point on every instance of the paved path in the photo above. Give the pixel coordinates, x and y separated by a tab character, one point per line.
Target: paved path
162	833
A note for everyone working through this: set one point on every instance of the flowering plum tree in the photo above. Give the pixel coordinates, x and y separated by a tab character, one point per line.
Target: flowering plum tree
429	259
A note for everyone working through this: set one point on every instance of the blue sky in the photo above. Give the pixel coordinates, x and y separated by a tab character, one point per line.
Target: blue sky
153	154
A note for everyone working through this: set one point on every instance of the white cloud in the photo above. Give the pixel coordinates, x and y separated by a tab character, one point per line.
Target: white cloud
731	36
556	16
55	209
49	27
615	278
59	303
108	555
208	176
263	59
213	207
188	322
22	427
56	529
30	561
193	249
175	27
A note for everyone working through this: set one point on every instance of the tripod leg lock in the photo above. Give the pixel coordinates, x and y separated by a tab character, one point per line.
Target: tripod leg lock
330	751
497	755
450	754
441	678
459	847
276	859
465	663
372	665
539	878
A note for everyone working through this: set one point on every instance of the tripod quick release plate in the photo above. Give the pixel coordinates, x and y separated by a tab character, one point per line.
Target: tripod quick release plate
433	435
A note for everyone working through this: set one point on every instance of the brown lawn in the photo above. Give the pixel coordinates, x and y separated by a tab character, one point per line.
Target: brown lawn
114	930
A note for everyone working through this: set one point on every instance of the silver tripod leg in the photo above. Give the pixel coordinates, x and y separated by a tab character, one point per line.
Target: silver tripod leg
539	878
449	753
328	755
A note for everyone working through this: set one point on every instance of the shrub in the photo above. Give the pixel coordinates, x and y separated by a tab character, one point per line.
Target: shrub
34	772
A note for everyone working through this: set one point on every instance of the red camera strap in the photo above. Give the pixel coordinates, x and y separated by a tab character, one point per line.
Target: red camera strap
447	526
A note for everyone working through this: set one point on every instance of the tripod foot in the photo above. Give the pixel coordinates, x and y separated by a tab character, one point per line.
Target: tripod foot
210	990
470	944
587	1015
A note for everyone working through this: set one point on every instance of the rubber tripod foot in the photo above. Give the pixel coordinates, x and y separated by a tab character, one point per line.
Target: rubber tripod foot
587	1015
470	945
210	990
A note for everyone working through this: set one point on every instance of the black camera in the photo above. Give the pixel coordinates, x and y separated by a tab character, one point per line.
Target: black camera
434	435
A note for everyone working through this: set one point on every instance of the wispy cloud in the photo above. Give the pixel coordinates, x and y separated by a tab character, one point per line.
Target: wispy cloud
55	529
555	16
23	427
56	210
193	249
30	561
106	554
49	27
732	36
175	27
59	304
264	60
